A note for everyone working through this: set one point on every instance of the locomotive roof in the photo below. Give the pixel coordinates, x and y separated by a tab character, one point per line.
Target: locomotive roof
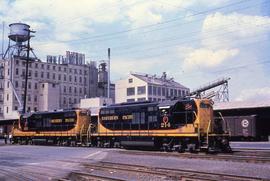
146	103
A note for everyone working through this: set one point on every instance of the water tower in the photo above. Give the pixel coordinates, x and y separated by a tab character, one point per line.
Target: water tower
18	37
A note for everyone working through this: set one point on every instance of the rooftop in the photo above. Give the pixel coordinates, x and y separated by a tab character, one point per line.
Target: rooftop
163	80
241	105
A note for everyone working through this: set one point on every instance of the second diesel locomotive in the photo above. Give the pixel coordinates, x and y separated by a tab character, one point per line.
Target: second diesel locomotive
170	125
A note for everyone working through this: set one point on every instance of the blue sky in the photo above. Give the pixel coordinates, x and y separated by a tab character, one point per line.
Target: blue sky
195	41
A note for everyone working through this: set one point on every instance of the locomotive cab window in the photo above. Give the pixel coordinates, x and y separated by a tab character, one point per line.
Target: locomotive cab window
183	113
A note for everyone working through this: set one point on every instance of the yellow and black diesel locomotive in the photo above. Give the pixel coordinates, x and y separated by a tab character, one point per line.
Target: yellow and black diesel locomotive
60	127
170	125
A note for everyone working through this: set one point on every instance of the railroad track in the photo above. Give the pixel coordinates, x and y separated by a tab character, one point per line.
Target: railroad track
236	156
116	171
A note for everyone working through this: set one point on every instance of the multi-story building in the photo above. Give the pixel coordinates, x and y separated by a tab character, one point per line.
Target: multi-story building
140	87
51	85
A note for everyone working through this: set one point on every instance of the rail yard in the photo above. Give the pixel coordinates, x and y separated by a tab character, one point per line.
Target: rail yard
32	162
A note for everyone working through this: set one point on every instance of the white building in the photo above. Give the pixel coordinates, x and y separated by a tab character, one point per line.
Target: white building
140	87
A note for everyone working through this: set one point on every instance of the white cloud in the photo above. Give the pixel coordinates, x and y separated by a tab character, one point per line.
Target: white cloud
50	48
207	58
255	94
228	30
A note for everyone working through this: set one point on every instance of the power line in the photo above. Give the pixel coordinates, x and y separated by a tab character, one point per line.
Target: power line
156	24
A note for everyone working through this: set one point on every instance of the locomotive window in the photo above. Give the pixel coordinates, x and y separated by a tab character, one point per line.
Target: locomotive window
203	105
111	111
142	118
150	109
102	112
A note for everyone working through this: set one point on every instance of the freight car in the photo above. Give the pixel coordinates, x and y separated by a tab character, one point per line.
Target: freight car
245	128
170	125
62	127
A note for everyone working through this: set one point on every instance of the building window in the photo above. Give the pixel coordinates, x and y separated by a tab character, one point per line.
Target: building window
75	100
35	109
7	97
59	68
53	76
30	73
70	101
8	84
159	91
130	91
65	89
163	91
171	92
29	85
80	90
75	90
48	67
23	84
70	70
179	93
43	85
80	79
48	75
70	78
35	98
7	109
150	90
53	67
75	79
29	97
23	73
65	77
15	108
75	71
130	80
36	65
183	93
64	100
35	85
36	74
17	71
154	90
28	109
42	66
175	92
130	100
16	84
70	90
141	99
17	62
53	85
80	72
42	74
141	90
59	77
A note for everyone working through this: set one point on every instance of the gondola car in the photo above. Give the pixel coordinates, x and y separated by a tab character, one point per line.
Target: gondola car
170	125
60	127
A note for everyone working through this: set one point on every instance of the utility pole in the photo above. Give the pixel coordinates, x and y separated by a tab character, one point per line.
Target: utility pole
26	71
109	82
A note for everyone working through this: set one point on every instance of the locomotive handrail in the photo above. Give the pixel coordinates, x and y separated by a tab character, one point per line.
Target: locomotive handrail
207	132
226	123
